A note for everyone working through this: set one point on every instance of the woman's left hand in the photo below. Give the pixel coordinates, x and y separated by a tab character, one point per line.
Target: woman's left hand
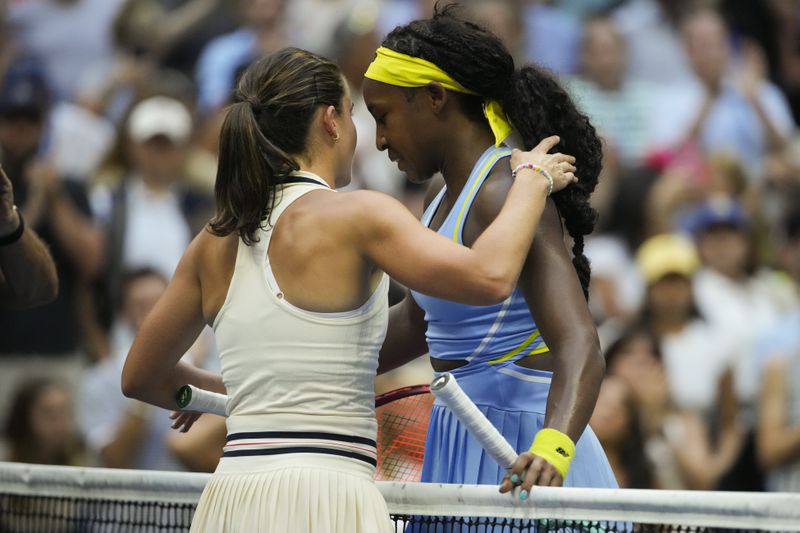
183	420
530	470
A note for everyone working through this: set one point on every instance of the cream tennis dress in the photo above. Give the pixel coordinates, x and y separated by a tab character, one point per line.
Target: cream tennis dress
300	452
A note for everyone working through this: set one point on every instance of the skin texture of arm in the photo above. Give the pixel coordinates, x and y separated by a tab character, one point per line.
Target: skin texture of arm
27	273
555	298
153	370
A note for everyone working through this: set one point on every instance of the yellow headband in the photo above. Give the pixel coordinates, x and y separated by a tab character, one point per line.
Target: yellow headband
402	70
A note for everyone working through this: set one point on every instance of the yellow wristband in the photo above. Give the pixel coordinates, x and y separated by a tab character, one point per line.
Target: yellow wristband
554	447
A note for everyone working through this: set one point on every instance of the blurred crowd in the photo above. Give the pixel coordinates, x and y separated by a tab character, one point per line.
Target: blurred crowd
109	117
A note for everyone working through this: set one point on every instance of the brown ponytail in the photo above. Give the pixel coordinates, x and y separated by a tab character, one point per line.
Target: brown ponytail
264	131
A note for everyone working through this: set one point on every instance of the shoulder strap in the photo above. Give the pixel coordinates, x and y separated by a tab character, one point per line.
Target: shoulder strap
479	174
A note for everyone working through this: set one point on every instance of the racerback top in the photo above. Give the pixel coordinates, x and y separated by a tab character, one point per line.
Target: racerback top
288	369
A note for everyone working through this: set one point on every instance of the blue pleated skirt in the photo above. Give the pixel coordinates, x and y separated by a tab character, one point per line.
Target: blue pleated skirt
513	398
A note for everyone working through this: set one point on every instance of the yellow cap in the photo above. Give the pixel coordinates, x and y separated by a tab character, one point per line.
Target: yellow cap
667	254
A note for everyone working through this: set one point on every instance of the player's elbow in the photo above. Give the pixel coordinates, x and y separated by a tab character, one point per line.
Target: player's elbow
133	383
496	287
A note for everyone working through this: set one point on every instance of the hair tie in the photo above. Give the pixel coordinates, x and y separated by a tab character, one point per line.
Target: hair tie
252	101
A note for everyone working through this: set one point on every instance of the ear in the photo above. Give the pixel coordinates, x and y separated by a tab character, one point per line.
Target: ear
436	96
329	116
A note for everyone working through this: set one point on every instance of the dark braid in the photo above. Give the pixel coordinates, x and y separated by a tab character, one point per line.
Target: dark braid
534	102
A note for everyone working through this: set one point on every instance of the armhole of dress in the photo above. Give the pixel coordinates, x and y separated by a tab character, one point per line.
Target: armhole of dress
501	154
241	248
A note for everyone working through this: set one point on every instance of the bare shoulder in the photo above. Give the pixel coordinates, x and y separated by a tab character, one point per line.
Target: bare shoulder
212	255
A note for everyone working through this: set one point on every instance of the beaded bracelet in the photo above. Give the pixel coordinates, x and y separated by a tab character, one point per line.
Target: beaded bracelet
538	169
15	235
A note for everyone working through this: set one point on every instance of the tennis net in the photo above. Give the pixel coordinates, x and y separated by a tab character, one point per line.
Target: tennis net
36	498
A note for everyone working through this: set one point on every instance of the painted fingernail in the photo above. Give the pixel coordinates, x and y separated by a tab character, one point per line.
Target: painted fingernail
523	495
515	479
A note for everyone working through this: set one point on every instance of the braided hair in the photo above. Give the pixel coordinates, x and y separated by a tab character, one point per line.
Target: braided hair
534	102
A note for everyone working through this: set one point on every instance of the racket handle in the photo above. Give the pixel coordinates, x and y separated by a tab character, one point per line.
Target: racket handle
446	388
191	398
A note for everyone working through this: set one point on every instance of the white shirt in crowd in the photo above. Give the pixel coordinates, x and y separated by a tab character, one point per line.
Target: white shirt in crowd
156	232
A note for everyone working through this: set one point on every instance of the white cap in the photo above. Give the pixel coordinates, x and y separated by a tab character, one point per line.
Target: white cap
160	115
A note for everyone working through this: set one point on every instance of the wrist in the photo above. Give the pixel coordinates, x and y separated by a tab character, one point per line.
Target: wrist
554	447
533	168
13	230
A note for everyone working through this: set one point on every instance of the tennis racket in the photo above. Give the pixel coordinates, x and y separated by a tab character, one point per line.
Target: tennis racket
402	416
446	388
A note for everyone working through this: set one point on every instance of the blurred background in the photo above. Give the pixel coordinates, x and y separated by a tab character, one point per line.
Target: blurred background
109	117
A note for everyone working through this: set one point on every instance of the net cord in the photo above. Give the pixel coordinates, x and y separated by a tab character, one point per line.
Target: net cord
741	510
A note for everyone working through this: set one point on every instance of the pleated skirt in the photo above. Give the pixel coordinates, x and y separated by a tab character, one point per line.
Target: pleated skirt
514	399
291	493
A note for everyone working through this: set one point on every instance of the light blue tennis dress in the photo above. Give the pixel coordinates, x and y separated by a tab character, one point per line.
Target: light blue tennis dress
491	338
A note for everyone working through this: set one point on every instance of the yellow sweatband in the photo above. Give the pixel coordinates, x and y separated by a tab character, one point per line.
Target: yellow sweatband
401	70
554	447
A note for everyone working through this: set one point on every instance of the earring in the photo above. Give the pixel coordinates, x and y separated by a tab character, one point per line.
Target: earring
336	138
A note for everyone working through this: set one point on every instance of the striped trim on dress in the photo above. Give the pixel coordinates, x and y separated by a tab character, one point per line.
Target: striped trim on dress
281	442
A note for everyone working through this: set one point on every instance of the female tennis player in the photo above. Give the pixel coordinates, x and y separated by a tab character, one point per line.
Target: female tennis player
290	274
444	93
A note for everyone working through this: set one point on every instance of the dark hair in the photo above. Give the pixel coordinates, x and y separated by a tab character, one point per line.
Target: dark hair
632	332
129	277
534	102
275	101
19	432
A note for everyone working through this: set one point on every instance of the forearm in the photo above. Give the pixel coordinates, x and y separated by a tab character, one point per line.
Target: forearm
161	392
183	21
404	341
121	452
28	271
779	447
696	129
775	140
577	374
79	237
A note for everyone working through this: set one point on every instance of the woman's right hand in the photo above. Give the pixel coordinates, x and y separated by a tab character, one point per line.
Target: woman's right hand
561	167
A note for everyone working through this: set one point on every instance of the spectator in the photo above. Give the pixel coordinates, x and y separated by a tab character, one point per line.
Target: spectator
126	433
224	57
552	36
617	425
696	361
151	215
40	427
58	209
725	110
27	273
732	293
136	72
635	359
778	433
68	35
619	108
650	27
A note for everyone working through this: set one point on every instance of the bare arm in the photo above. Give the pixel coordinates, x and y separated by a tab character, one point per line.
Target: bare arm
390	237
777	442
153	370
27	273
405	338
555	298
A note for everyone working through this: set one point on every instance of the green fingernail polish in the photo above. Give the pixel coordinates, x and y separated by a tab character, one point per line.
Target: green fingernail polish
515	479
523	495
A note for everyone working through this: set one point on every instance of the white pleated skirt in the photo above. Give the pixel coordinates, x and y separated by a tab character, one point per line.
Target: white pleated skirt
291	493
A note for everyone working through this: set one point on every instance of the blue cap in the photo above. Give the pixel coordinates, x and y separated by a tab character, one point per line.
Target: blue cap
25	89
717	212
